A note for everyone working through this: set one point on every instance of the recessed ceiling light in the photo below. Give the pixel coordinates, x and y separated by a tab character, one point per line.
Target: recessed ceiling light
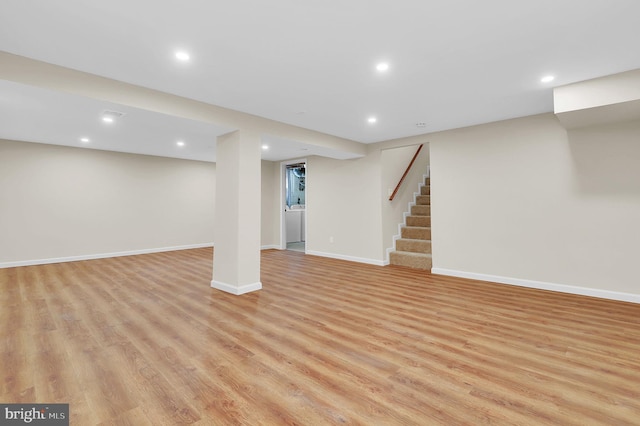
85	140
182	56
108	119
265	147
382	66
547	78
372	120
180	143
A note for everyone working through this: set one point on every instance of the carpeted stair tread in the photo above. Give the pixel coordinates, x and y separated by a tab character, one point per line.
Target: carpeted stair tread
418	221
413	245
423	200
412	260
421	210
415	232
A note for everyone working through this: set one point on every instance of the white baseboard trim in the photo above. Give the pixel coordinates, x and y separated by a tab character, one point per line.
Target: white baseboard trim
270	246
99	255
229	288
562	288
349	258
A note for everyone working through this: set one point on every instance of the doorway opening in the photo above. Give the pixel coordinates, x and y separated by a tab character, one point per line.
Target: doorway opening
293	219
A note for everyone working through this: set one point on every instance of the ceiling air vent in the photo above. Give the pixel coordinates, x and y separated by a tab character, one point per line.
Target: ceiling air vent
113	114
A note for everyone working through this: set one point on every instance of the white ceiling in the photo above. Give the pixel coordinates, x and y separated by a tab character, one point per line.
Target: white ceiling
38	115
310	64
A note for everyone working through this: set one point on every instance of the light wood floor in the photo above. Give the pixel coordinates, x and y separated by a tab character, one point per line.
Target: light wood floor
144	340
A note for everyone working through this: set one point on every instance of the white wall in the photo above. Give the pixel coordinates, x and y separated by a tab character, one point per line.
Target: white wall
343	203
270	218
59	202
62	203
348	212
520	201
523	202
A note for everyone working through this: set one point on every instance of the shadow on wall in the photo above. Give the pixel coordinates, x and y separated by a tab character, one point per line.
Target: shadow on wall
607	158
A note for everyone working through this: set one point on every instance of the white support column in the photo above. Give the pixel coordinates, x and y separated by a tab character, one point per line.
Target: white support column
236	260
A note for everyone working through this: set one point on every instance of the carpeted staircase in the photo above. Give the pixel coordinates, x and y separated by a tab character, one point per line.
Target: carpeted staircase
413	248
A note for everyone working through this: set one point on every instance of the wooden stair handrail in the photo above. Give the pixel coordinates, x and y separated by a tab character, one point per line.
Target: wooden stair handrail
406	172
